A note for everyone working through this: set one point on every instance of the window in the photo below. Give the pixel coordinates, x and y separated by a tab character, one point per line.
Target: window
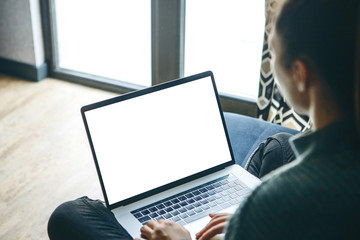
108	38
226	36
127	45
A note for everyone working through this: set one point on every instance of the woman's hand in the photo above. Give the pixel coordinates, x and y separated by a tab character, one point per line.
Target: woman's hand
164	230
215	226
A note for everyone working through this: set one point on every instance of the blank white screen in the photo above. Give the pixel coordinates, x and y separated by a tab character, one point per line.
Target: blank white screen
149	141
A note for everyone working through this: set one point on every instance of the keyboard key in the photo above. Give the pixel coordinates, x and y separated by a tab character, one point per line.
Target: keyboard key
182	222
138	215
216	185
176	219
189	195
217	196
196	217
184	215
191	213
145	212
219	201
154	215
203	190
244	192
224	194
231	190
212	192
198	210
204	201
212	204
176	206
160	206
189	207
211	199
204	195
225	187
224	182
175	200
182	210
226	198
232	185
237	182
144	219
205	207
196	204
196	193
211	187
218	190
232	178
215	209
167	216
169	209
183	204
225	205
135	211
175	213
234	196
161	212
168	204
153	209
197	198
190	201
182	198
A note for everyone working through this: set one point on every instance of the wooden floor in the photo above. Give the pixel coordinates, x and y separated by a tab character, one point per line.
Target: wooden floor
45	158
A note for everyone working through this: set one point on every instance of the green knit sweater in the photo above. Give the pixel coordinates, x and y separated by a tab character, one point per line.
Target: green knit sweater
315	197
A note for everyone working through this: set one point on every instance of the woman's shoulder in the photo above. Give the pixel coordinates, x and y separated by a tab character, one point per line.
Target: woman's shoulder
298	196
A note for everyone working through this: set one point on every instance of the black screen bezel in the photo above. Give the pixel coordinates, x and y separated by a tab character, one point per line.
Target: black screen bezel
145	91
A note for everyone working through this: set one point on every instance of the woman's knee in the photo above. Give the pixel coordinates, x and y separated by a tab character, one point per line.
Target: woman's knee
270	155
65	218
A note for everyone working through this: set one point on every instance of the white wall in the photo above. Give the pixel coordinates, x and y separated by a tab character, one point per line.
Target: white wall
20	31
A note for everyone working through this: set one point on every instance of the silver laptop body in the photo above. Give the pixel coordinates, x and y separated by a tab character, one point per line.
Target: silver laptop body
164	152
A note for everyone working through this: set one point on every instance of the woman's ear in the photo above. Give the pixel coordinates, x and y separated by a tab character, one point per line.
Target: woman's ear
300	72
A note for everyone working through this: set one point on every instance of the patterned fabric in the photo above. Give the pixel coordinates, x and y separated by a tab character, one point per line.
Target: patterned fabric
271	105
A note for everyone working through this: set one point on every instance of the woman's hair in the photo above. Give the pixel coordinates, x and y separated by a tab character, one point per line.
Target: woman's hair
322	33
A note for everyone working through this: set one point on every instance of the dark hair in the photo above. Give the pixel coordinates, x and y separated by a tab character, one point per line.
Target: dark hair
322	33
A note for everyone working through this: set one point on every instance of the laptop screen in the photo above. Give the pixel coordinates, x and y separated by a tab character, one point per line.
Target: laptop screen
147	141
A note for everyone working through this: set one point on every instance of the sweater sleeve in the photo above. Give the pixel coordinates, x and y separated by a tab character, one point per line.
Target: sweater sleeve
272	210
251	219
303	202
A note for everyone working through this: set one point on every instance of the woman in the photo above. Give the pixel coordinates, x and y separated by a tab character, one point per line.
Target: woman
316	196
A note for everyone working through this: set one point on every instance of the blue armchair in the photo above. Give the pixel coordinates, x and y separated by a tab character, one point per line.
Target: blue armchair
246	133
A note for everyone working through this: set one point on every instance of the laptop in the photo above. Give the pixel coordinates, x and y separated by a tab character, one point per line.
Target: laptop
163	152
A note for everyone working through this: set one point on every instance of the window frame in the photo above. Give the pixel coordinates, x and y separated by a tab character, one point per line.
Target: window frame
167	42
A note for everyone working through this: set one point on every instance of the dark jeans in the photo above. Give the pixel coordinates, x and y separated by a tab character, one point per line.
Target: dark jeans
89	219
84	218
271	154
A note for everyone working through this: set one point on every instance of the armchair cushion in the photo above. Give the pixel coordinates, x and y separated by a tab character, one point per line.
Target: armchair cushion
246	134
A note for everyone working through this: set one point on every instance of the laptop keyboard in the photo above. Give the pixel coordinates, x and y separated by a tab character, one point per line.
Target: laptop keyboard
195	203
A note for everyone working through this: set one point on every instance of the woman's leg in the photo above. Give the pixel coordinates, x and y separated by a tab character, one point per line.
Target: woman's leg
270	155
84	218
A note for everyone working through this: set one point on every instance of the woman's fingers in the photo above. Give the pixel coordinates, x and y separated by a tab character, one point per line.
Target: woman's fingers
216	215
215	226
147	229
211	232
164	229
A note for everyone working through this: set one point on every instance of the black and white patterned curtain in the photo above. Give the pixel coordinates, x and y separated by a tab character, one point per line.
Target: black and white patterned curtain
271	104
